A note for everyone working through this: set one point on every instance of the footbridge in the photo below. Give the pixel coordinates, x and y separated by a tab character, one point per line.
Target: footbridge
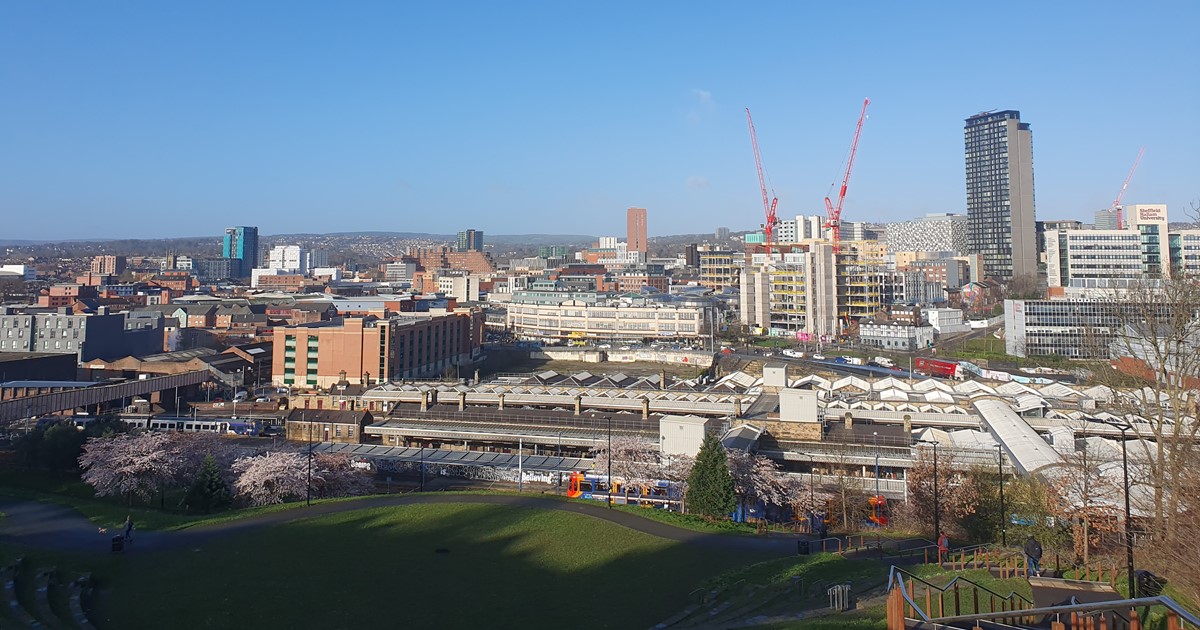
95	396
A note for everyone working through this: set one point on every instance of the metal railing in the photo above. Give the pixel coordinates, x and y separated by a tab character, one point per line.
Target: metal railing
1009	603
902	601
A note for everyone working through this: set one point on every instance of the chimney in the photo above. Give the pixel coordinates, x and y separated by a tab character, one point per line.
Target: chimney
645	407
462	401
578	405
424	401
737	407
476	377
501	408
908	424
849	421
662	379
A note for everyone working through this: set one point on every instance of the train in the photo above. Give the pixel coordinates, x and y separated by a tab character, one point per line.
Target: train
655	494
195	425
938	368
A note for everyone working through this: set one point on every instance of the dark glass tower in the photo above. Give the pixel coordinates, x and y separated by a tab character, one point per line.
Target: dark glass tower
1000	212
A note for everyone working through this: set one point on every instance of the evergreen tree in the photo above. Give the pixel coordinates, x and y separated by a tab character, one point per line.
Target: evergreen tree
710	486
209	491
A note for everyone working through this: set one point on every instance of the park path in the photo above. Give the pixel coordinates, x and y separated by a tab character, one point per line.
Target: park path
48	525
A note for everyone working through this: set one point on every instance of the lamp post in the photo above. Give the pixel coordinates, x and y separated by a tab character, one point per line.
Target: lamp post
1003	518
937	504
812	495
875	437
308	483
1124	428
610	458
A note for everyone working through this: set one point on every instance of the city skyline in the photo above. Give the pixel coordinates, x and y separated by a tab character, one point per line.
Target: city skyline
366	119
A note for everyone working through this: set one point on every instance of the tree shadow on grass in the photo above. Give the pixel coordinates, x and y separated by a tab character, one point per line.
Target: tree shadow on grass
499	566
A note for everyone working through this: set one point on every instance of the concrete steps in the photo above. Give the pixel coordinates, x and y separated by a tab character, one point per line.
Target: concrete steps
36	609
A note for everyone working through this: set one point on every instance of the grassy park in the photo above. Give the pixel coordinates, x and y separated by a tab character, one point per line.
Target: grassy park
426	565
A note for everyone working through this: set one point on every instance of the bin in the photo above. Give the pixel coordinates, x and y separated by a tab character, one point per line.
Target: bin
118	543
803	547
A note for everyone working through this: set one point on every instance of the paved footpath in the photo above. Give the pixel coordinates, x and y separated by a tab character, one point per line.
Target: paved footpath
48	525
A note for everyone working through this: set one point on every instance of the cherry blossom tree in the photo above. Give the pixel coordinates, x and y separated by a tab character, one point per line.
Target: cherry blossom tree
130	465
271	477
755	478
636	461
334	476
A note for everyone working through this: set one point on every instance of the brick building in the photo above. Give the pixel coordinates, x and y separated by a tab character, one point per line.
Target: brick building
373	349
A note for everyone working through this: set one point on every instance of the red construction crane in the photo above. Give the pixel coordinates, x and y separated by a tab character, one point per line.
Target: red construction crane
834	214
769	203
1116	204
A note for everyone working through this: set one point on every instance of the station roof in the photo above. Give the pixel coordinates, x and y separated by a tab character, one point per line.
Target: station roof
398	454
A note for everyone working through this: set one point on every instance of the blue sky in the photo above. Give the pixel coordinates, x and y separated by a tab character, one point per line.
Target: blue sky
157	119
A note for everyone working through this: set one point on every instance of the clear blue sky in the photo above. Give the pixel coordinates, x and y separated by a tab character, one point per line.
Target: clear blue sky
156	119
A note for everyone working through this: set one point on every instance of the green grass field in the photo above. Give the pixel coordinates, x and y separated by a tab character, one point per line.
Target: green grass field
427	565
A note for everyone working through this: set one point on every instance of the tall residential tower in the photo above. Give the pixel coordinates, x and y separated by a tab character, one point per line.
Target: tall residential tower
241	244
1000	215
636	237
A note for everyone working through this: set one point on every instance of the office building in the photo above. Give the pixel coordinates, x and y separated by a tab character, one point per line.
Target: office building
635	238
1000	202
1141	250
289	258
931	233
241	244
370	350
470	241
1077	329
1107	219
564	315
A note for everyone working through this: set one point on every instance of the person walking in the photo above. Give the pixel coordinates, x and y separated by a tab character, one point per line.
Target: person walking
129	528
943	545
1033	556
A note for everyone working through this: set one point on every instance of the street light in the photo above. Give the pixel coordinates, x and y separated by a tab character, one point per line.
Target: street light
1124	428
308	484
1003	518
812	469
937	504
875	436
610	457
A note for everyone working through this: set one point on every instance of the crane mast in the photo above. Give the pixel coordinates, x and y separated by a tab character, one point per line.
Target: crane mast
1116	204
834	213
769	203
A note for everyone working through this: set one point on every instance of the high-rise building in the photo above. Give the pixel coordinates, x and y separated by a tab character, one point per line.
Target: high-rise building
1106	219
241	244
721	233
470	241
1000	206
636	233
289	258
108	265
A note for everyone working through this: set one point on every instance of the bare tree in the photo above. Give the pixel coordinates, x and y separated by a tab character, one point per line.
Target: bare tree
1154	337
955	498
